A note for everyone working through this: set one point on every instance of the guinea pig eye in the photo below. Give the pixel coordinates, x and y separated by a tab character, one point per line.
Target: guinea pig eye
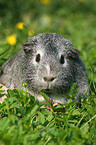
38	58
62	61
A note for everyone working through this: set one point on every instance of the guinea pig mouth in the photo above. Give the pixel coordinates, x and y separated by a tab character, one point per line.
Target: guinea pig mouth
46	91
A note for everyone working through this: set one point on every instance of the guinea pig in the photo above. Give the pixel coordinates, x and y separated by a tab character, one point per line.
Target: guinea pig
47	63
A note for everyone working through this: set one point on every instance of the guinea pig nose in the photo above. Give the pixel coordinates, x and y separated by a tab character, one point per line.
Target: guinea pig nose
48	79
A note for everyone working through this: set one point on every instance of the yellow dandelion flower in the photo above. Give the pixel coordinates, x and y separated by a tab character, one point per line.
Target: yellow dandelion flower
31	32
46	2
20	25
12	39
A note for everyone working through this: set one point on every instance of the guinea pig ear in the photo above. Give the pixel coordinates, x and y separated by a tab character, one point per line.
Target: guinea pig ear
27	47
74	53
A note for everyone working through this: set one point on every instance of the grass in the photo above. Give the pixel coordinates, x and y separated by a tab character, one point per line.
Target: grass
24	121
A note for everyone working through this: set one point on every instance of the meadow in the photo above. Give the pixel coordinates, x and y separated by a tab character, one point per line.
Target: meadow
22	120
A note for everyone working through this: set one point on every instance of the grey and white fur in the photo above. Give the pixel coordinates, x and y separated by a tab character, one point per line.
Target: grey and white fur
47	62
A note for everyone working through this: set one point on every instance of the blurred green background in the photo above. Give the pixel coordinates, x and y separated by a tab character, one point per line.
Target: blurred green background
75	20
